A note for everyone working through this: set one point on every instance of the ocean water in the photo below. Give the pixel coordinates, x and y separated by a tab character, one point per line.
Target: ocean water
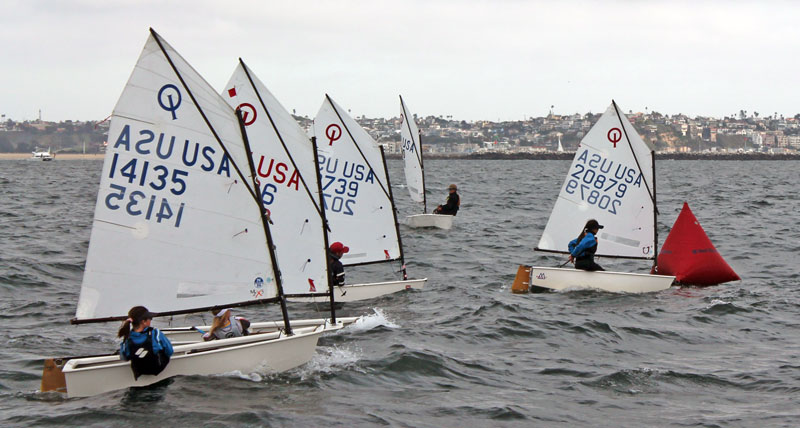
464	351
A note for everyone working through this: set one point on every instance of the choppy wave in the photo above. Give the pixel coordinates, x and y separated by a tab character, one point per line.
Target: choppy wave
368	322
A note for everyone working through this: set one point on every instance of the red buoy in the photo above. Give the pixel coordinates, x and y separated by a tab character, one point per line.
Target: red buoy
690	256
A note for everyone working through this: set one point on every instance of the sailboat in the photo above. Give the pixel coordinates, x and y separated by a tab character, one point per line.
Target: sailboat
358	201
415	173
179	227
611	180
560	147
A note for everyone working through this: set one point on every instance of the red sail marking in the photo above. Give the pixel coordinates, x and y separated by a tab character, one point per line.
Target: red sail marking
690	256
311	287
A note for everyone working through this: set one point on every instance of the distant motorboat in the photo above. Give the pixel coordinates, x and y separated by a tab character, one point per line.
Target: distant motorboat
42	156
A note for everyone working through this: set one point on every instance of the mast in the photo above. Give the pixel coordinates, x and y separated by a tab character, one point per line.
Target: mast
422	169
265	225
394	212
325	230
655	216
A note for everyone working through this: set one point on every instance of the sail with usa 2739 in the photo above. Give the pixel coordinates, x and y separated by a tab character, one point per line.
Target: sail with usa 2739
358	202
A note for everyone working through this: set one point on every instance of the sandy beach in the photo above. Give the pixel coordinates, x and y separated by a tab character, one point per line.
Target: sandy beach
60	156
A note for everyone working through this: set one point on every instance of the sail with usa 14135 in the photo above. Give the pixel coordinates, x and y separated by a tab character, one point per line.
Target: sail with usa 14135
179	228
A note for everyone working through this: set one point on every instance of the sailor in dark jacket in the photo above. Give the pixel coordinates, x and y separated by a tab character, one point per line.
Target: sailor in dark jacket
337	269
453	202
582	249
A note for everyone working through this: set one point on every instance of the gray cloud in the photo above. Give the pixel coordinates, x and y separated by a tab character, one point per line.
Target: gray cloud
469	59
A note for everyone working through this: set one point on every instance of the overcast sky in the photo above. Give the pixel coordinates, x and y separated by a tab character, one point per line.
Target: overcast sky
494	60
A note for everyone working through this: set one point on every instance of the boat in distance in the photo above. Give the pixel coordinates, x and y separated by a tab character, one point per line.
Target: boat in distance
441	221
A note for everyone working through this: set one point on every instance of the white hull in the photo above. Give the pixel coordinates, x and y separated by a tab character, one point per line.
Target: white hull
272	352
430	220
182	335
618	282
355	292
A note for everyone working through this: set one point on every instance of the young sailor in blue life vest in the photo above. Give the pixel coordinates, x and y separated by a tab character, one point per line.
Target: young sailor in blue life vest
582	248
145	347
226	326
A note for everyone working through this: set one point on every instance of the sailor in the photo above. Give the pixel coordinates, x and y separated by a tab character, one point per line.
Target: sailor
145	347
582	248
453	202
337	269
226	326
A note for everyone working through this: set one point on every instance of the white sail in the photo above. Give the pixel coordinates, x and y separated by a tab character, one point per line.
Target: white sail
176	224
283	157
412	154
355	186
611	181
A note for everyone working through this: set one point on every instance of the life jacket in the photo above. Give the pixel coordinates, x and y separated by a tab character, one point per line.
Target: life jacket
336	272
447	208
144	360
588	254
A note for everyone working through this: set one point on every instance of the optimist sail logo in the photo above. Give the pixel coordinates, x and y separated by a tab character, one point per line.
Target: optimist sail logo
166	100
541	276
258	291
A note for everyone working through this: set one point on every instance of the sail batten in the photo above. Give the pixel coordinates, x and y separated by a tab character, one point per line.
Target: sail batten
173	208
610	181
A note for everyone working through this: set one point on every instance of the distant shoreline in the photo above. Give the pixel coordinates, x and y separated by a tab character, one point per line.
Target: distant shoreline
569	156
59	156
494	156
